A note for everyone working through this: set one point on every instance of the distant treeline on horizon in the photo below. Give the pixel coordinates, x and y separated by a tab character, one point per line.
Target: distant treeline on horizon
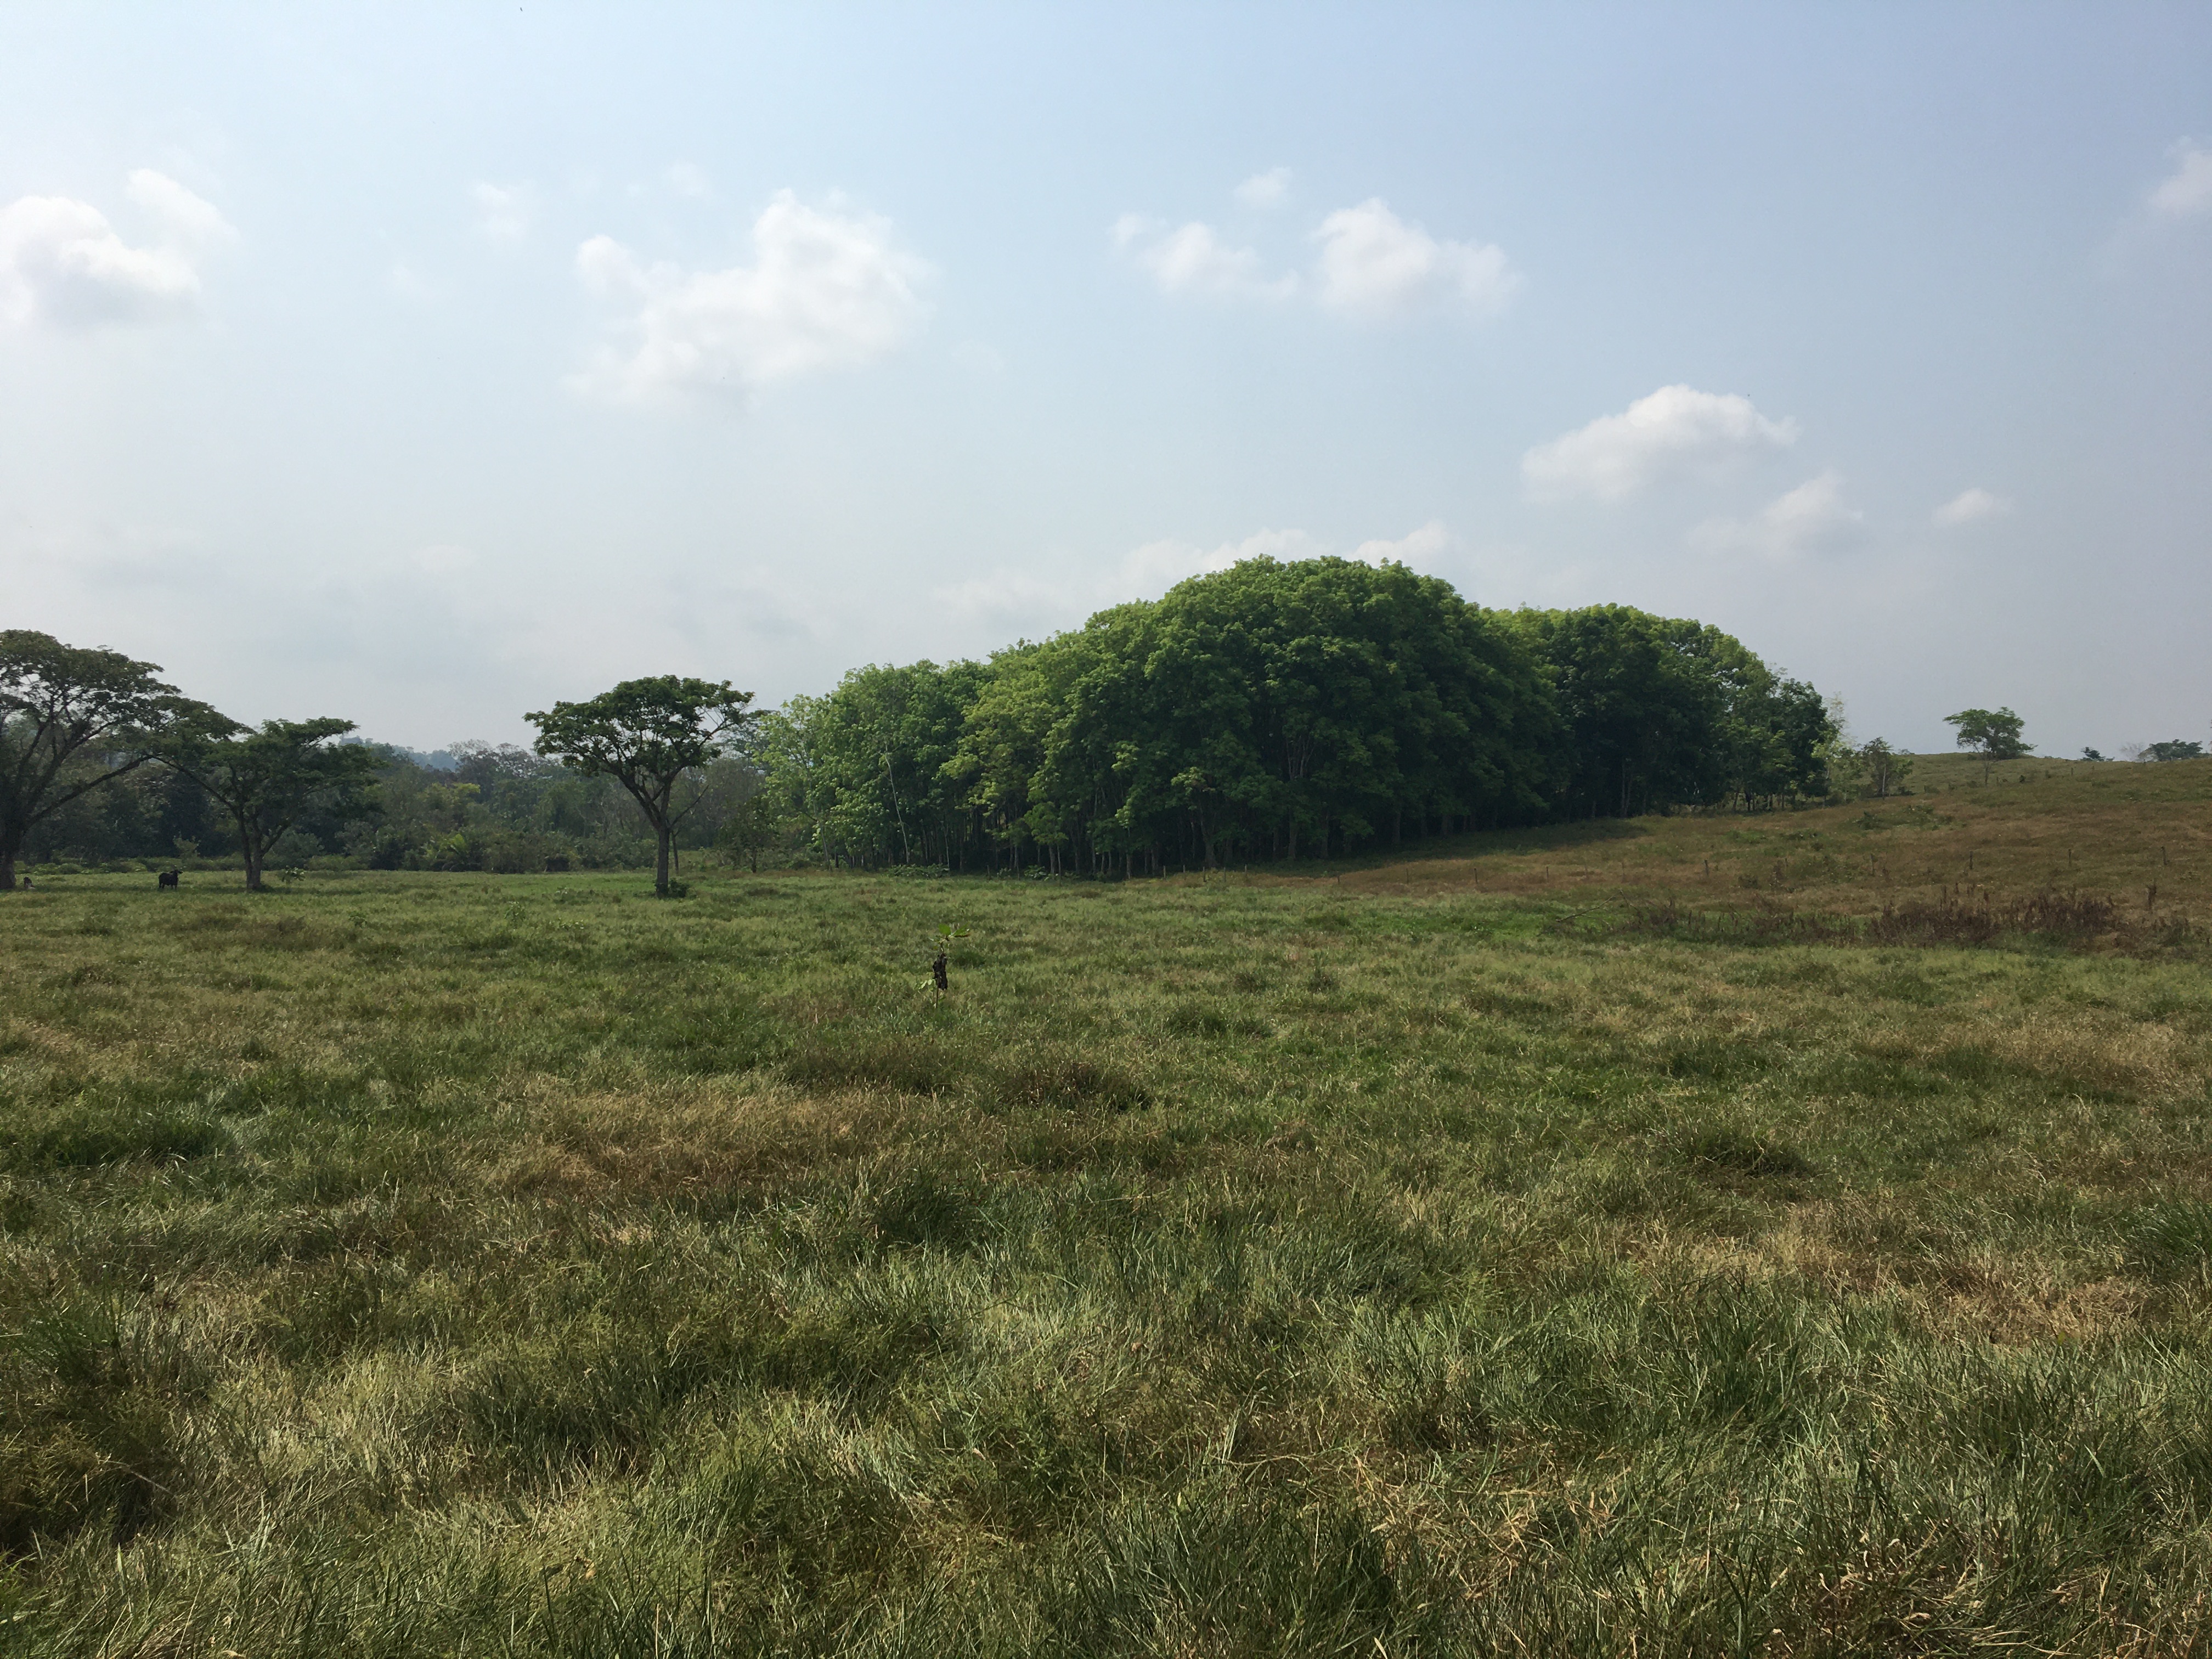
1270	711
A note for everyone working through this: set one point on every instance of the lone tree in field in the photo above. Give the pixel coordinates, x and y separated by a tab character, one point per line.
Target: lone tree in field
645	735
267	780
1885	769
1993	734
71	719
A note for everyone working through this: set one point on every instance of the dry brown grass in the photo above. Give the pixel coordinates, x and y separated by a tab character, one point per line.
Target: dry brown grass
2136	837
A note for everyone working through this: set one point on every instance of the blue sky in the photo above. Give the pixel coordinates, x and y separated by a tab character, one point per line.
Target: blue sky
425	365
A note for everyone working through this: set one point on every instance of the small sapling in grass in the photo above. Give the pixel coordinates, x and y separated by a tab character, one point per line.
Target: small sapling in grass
940	964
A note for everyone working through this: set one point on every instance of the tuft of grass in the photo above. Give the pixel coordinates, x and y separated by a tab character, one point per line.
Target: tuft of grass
1067	1079
1733	1152
2171	1242
900	1062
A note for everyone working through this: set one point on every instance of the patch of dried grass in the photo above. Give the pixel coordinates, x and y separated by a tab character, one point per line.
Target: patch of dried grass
754	1133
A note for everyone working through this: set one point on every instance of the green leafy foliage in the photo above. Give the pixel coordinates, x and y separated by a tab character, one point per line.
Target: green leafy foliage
1884	769
1661	712
649	736
1273	711
1279	711
71	720
1274	707
1994	734
2173	749
267	779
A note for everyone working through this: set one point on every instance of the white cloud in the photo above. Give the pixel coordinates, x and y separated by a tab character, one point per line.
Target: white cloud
61	262
2190	190
1675	430
1023	598
1265	189
504	211
1158	566
1018	599
1193	260
1416	547
1374	264
826	290
1969	505
1810	518
188	219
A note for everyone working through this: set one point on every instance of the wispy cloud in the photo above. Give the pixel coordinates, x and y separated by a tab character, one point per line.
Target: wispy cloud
1158	566
1265	189
190	222
1144	572
1368	264
2187	191
1970	506
504	211
689	179
1419	547
1194	259
1674	431
1814	518
1025	598
826	290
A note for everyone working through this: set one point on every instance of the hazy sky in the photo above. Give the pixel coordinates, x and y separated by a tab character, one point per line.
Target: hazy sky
425	365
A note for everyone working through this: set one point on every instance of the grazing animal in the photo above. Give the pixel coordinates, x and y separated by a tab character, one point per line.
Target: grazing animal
169	877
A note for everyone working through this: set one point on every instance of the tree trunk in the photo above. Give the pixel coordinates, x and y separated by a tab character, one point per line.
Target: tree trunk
253	852
661	839
8	871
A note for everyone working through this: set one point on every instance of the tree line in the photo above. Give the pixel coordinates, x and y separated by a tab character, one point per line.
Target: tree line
1272	711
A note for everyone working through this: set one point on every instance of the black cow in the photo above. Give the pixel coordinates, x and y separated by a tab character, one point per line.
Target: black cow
169	877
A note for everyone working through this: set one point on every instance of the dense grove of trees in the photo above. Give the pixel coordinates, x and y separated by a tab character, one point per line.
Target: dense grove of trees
1276	711
1270	711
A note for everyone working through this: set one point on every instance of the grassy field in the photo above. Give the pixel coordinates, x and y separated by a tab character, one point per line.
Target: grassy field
1699	1236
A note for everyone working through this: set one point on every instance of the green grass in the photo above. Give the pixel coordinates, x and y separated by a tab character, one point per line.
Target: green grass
1396	1264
